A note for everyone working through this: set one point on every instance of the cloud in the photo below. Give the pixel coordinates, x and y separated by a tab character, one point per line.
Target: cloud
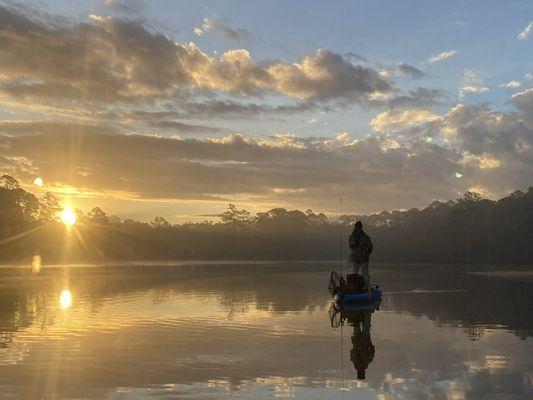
343	136
472	83
524	102
326	75
411	71
528	30
396	119
510	85
442	56
473	90
229	108
355	57
112	60
492	150
166	121
306	170
420	97
497	147
129	88
127	7
212	25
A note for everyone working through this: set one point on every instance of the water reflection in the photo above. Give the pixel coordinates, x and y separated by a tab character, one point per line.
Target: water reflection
135	332
36	264
360	318
65	299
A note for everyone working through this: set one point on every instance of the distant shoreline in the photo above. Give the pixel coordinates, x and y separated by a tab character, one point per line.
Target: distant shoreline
334	264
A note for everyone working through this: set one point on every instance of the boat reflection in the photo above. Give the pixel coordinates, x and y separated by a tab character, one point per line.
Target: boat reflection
360	318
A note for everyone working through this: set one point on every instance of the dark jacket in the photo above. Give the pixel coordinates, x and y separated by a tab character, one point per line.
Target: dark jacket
360	246
363	351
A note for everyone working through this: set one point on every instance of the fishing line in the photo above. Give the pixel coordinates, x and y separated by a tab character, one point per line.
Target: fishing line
342	358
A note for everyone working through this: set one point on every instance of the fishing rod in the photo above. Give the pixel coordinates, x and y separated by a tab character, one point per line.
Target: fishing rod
342	359
340	235
340	266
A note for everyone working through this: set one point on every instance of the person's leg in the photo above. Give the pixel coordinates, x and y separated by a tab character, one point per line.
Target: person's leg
355	267
363	267
366	322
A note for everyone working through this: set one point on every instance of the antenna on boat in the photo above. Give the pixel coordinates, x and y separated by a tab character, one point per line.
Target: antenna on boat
340	235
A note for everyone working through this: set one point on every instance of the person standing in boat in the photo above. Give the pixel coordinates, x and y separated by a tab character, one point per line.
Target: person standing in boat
360	250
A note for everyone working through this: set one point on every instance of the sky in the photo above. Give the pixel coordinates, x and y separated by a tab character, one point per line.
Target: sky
178	108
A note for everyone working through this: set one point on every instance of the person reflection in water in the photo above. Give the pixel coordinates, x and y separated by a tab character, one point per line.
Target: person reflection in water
362	353
360	250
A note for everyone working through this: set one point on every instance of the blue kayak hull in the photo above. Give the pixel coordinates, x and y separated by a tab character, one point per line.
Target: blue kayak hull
374	295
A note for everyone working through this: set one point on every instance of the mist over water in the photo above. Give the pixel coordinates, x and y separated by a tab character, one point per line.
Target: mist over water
260	331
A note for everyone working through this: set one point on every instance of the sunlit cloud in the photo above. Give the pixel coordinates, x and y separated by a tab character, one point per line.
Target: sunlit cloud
473	89
396	119
442	56
473	83
510	85
114	59
524	34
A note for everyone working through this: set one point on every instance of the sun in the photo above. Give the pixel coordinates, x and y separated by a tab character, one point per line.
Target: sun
38	181
68	216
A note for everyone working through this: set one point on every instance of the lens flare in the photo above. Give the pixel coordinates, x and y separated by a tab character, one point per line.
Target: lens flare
68	216
65	299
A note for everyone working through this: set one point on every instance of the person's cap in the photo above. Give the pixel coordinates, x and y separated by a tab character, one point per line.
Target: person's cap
358	224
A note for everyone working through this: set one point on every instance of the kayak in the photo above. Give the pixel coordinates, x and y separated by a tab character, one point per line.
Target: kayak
364	298
350	292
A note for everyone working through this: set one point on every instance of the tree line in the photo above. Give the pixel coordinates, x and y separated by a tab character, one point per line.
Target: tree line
470	229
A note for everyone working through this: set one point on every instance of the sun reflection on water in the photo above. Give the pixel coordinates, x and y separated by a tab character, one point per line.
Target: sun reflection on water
65	299
36	264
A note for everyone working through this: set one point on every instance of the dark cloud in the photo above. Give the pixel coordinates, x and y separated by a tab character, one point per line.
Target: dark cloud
181	127
15	128
211	24
228	108
411	71
174	117
524	102
325	76
356	57
420	97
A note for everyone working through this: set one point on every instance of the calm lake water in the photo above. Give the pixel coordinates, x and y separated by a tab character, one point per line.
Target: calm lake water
263	331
